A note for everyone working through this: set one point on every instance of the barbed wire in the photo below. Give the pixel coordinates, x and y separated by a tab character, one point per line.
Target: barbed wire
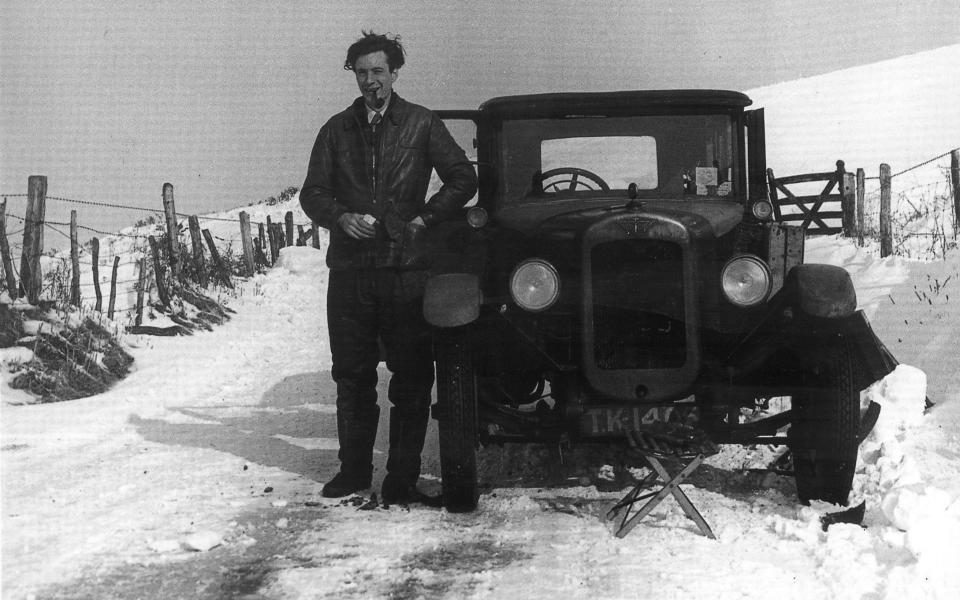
66	235
49	223
43	222
100	264
104	204
916	166
110	281
140	208
116	233
925	163
109	263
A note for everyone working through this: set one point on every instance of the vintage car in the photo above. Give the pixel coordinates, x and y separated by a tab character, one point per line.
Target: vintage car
621	268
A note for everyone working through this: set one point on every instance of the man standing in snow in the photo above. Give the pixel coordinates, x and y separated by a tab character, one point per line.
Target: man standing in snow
367	183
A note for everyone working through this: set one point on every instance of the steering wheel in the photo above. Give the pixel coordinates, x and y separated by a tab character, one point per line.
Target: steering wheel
574	181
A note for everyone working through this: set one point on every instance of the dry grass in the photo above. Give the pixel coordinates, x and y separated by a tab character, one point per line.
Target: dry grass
69	360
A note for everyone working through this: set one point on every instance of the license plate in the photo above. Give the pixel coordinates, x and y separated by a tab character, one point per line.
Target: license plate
614	420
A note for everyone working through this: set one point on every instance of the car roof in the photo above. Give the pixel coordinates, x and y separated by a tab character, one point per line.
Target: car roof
611	103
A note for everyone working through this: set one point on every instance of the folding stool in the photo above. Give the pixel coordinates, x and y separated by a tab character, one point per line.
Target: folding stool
689	447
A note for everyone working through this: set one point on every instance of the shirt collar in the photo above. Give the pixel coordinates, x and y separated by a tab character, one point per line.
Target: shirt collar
382	111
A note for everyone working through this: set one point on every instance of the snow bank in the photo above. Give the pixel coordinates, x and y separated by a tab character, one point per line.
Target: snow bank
301	260
921	503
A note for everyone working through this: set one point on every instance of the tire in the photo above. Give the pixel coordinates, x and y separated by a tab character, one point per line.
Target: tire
457	401
824	434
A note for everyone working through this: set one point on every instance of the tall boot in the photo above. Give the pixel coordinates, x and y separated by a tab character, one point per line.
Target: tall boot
357	433
408	428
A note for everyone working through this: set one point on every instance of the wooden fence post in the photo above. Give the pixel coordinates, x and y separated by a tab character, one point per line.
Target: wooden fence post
5	253
258	253
141	287
158	272
272	235
316	234
848	203
197	243
955	182
27	244
74	261
301	236
249	267
261	234
113	287
861	193
288	221
31	279
886	235
173	231
95	265
219	267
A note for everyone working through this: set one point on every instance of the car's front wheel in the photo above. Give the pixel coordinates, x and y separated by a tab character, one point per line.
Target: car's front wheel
457	416
824	435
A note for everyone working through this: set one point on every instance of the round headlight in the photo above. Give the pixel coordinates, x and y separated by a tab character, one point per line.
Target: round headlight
746	280
477	217
762	210
535	285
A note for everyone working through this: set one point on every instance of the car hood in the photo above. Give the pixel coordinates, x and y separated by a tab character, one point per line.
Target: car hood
576	214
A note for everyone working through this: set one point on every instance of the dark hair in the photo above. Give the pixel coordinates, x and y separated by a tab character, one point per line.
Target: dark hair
372	42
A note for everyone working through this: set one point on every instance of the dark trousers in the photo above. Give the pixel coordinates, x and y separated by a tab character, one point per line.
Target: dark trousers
365	305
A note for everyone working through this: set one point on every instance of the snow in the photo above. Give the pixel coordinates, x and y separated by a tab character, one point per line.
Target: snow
199	476
896	111
180	454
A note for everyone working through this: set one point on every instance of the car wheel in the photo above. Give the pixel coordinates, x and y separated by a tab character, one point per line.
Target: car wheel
824	434
457	401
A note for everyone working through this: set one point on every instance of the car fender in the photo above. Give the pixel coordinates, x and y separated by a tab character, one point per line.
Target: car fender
452	299
824	291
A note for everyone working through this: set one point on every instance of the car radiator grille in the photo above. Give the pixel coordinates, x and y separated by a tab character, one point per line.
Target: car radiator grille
638	304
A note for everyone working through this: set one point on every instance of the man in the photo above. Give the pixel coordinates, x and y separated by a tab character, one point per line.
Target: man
367	183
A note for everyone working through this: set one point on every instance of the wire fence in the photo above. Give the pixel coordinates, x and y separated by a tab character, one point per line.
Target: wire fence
139	258
152	211
923	207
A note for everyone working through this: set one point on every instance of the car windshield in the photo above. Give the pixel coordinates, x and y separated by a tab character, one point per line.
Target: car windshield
664	156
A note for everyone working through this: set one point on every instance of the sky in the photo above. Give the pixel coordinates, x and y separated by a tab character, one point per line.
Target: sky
224	99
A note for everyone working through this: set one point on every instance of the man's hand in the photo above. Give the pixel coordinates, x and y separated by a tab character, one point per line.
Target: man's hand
357	226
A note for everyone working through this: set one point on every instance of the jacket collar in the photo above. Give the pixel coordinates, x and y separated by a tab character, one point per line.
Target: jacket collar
396	111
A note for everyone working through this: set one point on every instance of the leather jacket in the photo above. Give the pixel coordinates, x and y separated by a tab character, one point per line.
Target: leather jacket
385	175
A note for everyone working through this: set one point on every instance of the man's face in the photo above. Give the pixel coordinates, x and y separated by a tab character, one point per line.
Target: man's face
374	78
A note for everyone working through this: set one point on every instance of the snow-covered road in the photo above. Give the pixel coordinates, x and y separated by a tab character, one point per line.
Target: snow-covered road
225	437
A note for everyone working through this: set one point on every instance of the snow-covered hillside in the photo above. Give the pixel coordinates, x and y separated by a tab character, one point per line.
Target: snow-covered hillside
901	111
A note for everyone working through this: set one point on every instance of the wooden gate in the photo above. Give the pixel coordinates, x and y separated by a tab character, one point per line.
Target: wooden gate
829	212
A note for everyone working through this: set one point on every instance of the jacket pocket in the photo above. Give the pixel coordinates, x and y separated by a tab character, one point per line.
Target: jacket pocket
414	253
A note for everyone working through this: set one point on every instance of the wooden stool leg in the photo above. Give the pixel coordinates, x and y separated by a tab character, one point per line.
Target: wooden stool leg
629	523
632	496
670	484
688	508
